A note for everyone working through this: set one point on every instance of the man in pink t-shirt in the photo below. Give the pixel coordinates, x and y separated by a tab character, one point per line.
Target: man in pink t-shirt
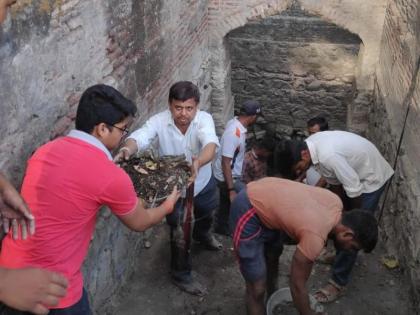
271	212
67	181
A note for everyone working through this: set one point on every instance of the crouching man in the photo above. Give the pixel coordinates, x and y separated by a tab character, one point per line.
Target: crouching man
270	212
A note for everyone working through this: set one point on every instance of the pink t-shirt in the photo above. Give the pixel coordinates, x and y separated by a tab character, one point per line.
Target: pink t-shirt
306	213
67	181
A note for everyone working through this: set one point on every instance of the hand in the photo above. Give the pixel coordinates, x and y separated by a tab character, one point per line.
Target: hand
232	195
123	155
31	289
172	199
195	166
14	211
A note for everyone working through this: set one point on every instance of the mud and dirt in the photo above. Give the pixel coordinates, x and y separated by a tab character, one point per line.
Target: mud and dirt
154	178
374	289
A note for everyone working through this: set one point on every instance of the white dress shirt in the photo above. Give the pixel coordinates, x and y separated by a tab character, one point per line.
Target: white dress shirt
200	132
232	145
345	158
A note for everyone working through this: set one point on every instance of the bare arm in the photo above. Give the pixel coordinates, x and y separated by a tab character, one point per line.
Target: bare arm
321	183
227	174
301	269
206	155
141	218
14	211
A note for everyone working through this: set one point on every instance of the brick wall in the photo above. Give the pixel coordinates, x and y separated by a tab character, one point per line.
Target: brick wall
298	66
51	51
398	88
363	18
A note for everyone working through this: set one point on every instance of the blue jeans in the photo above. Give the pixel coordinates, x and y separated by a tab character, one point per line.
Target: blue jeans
80	308
205	203
254	243
345	260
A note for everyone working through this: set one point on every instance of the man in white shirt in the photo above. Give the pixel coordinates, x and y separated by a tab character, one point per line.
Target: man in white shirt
315	124
352	166
227	167
184	129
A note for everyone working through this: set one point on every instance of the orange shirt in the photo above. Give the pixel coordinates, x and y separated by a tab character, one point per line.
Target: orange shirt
306	213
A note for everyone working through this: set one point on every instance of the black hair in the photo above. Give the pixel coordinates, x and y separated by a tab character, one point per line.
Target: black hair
364	226
286	155
184	90
102	104
266	143
320	121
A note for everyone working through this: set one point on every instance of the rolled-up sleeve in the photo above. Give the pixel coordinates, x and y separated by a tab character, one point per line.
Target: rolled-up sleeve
146	134
206	130
346	175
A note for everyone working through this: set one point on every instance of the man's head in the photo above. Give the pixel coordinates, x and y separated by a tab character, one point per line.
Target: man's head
358	230
317	124
105	113
249	112
293	158
184	97
264	148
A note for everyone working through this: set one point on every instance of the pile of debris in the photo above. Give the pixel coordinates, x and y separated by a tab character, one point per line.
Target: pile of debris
154	178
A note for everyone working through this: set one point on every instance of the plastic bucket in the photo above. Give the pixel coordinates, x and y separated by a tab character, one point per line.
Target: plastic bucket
283	296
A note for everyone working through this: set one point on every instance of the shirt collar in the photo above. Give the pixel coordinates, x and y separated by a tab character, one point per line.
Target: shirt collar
312	151
84	136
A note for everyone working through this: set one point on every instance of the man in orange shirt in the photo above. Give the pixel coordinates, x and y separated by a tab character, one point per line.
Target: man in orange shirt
270	212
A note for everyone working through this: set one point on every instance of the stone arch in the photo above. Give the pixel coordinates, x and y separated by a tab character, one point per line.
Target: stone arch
356	16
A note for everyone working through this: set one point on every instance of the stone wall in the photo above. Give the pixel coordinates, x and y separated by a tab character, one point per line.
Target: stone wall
362	18
398	89
51	51
298	66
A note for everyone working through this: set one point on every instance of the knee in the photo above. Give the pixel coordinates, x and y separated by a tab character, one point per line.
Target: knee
256	290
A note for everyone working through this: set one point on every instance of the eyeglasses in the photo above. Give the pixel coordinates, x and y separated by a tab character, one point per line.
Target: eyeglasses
123	130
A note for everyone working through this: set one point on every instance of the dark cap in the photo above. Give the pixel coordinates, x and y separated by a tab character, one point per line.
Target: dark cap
250	108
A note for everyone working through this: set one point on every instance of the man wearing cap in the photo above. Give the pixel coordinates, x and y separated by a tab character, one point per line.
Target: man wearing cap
227	167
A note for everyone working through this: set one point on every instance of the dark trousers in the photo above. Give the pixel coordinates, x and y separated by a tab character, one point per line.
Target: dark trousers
222	215
205	204
80	308
345	260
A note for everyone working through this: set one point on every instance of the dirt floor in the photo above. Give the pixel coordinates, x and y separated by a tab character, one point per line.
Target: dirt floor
375	290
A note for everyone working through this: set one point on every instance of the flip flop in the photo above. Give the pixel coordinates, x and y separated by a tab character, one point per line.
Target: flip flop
325	295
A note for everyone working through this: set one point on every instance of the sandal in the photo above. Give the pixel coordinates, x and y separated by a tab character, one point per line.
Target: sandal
331	292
